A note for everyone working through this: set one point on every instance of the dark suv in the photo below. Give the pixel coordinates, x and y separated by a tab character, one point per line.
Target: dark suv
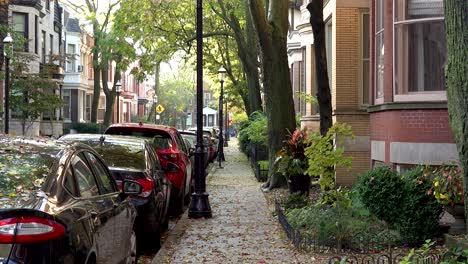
173	154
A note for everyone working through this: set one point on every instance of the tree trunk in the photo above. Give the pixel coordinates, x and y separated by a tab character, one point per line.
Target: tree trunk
3	21
97	77
272	34
157	82
323	95
456	74
110	94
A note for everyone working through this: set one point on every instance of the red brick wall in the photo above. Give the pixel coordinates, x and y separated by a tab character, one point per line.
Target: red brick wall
419	126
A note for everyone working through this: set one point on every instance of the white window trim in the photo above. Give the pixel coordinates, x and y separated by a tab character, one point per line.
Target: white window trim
378	100
419	96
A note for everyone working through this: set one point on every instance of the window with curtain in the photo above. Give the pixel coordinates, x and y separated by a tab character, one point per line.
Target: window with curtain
420	51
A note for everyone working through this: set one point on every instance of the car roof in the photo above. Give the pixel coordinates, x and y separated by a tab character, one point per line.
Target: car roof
122	140
188	133
35	144
143	125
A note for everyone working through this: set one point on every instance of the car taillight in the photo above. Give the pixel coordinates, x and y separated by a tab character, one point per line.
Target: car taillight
147	185
29	229
170	156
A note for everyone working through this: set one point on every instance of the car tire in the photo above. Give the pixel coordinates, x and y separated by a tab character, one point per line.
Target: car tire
188	196
132	254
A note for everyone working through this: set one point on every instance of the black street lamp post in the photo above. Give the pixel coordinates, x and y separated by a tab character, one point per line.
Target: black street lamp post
6	42
226	122
118	85
222	75
200	205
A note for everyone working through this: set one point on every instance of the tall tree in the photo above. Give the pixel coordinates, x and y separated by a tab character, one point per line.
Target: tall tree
456	74
323	92
246	47
272	30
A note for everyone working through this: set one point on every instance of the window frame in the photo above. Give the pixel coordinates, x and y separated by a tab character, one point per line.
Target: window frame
377	34
412	96
85	160
361	80
25	33
98	179
65	104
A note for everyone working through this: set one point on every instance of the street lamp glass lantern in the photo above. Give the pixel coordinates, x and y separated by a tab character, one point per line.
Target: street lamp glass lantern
118	85
222	74
8	39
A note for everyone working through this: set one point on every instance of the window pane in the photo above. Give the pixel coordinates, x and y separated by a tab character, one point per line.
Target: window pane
420	57
20	26
101	173
66	104
365	36
379	64
379	19
415	9
365	82
84	178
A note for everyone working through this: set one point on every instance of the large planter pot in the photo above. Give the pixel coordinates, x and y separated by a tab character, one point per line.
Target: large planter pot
299	183
458	212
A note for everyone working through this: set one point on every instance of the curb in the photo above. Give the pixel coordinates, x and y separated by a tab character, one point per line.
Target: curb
176	233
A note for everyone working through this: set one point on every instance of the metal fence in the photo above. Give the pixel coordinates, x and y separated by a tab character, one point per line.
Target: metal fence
359	245
259	153
392	258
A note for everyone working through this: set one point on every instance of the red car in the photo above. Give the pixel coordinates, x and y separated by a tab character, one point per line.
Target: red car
173	154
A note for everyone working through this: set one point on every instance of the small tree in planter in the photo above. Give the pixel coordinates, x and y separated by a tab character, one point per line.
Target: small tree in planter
324	154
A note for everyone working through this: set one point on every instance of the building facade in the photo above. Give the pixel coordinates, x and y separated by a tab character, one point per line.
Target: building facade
347	46
408	117
40	23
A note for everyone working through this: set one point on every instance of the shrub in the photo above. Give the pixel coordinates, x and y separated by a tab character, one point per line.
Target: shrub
340	226
91	128
419	215
296	200
402	201
382	191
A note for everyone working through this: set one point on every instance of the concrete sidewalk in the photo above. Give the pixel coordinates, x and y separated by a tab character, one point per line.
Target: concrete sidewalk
242	229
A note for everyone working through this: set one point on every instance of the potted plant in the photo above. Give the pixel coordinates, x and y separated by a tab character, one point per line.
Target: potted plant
291	162
447	188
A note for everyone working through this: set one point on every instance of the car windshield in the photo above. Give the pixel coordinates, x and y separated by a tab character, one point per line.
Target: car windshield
119	154
159	139
23	169
191	138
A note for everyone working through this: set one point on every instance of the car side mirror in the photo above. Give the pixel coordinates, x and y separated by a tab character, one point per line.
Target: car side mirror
131	188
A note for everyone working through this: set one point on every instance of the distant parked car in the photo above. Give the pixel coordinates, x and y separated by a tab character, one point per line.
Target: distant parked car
60	204
132	158
173	154
210	132
192	139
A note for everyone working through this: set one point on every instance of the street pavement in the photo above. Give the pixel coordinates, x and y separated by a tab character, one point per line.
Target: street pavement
242	229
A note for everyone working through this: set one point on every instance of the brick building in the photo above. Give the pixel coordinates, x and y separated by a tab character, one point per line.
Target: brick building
347	43
408	116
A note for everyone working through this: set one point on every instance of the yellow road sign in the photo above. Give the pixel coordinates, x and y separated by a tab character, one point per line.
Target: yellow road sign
159	109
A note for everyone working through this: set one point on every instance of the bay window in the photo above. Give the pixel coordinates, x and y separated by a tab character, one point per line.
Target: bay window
419	47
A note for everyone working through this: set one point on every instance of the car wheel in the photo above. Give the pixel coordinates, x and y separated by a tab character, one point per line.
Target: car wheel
188	196
132	256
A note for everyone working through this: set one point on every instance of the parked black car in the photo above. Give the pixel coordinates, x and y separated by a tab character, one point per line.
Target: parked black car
60	204
132	158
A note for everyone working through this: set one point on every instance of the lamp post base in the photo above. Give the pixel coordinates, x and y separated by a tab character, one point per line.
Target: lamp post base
200	206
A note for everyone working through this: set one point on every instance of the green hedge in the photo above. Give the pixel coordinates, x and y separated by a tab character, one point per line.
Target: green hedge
90	128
